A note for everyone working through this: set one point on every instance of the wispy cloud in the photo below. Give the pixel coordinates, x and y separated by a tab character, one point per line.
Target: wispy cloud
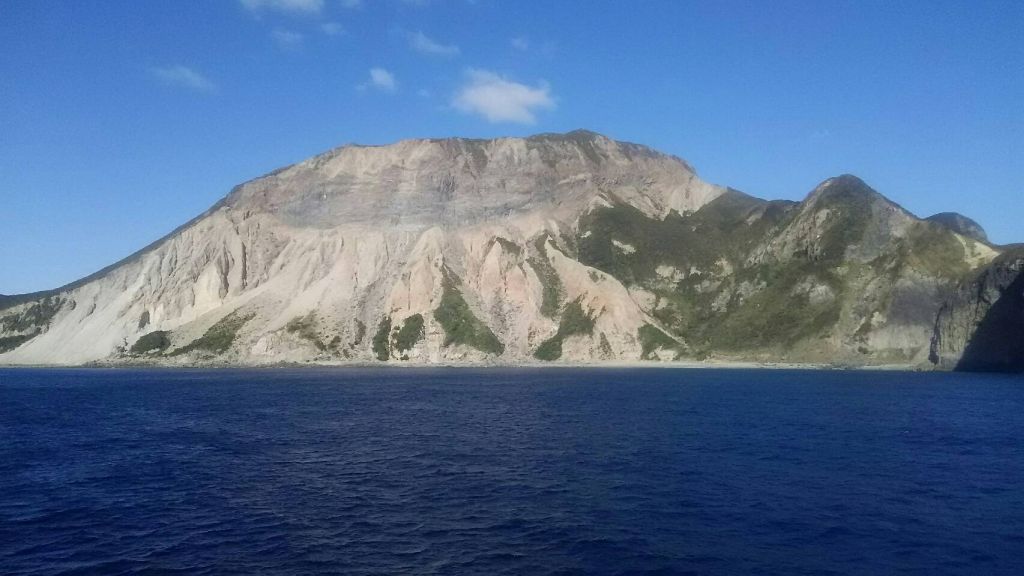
521	43
380	79
287	39
293	6
332	29
423	44
185	77
498	99
819	135
352	3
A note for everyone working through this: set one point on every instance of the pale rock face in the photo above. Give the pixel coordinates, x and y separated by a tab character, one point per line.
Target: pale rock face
624	247
361	233
480	243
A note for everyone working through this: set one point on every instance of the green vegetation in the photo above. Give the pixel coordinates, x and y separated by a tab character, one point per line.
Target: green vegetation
508	245
360	334
157	341
710	248
929	249
219	337
380	340
38	315
144	319
935	250
778	315
410	333
8	343
652	338
773	311
305	327
568	246
849	202
552	294
573	321
459	324
725	228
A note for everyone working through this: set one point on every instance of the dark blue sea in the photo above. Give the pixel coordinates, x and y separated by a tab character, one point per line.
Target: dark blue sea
528	471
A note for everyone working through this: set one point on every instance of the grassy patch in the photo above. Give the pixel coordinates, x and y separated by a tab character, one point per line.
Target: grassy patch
552	291
8	343
726	228
380	340
38	315
574	321
508	245
219	337
704	245
652	338
157	341
410	333
849	204
359	335
776	317
305	327
933	249
459	324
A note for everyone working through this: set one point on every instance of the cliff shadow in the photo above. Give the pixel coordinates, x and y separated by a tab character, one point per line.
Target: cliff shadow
998	343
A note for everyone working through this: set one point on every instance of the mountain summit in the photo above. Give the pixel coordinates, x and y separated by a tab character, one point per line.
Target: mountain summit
557	247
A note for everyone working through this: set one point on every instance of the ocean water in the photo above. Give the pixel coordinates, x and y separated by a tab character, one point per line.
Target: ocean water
528	471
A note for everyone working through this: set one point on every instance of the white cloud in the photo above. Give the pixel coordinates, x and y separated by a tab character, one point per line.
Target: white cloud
522	44
381	79
287	39
423	44
332	29
185	77
293	6
501	100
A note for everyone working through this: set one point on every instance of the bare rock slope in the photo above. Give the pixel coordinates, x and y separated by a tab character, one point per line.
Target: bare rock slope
558	247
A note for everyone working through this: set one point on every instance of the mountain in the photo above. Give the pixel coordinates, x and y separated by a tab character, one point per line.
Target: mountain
960	224
557	247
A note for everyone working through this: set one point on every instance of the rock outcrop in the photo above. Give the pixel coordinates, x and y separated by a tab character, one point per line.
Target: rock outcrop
981	327
558	247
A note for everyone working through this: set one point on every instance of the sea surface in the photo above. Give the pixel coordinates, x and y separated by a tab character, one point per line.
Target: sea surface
524	471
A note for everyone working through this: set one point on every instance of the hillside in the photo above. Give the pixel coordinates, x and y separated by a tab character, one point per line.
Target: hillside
554	248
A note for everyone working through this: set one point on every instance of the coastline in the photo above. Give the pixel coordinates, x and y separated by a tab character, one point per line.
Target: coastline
625	364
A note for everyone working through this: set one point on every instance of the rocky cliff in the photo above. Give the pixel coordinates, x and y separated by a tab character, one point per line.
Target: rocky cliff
981	327
558	247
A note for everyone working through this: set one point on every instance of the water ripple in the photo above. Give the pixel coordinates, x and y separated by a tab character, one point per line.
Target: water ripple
509	472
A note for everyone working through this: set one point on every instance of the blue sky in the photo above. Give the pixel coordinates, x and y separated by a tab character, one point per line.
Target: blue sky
120	120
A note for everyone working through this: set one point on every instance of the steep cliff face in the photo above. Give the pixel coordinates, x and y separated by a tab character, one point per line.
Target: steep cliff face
559	247
326	258
981	327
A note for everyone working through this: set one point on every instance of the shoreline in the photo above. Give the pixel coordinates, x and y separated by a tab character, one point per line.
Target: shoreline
619	365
